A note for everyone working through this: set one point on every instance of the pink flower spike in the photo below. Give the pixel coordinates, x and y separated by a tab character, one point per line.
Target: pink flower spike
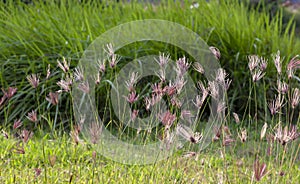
257	75
64	66
48	72
17	124
10	92
277	61
52	98
182	66
263	64
101	66
132	97
293	64
198	67
132	81
109	49
134	114
282	87
84	87
253	62
295	98
167	118
65	84
32	116
216	52
163	60
259	170
33	80
26	135
157	89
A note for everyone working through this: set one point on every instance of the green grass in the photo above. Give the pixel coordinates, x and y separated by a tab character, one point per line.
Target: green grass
76	164
33	36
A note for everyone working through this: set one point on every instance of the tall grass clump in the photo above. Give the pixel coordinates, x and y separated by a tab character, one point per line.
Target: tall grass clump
34	36
257	139
250	149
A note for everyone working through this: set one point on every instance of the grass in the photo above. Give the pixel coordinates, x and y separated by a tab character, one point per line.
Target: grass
76	164
34	36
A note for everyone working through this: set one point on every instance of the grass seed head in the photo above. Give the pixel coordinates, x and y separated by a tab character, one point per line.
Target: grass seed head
295	98
293	64
282	87
236	118
257	75
182	66
198	67
78	74
95	131
216	52
26	135
64	66
167	118
34	80
254	61
132	97
134	77
163	60
263	131
260	170
278	62
53	98
17	124
48	72
32	116
84	87
243	135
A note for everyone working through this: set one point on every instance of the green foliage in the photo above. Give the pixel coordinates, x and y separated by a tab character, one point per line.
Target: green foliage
35	35
58	161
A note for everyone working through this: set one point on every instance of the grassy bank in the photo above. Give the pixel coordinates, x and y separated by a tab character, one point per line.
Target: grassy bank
35	35
41	141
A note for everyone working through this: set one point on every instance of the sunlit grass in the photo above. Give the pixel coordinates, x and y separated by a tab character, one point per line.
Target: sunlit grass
33	36
76	164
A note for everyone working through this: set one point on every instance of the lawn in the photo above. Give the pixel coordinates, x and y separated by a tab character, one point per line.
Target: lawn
83	103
